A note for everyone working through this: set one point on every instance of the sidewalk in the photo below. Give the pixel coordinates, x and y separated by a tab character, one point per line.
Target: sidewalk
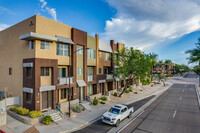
85	118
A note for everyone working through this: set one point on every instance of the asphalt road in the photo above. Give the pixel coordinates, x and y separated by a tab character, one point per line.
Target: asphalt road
191	75
175	111
100	127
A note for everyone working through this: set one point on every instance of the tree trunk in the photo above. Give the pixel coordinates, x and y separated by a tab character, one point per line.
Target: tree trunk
125	87
163	82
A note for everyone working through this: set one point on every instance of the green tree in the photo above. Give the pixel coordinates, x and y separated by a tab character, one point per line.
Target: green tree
161	77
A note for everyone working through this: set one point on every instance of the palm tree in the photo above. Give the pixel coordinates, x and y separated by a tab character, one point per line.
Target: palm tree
167	64
194	55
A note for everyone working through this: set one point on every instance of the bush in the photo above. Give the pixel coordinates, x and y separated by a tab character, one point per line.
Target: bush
144	82
47	120
104	98
67	113
148	80
34	114
151	85
130	90
102	102
136	92
127	91
95	101
21	111
170	75
115	94
77	108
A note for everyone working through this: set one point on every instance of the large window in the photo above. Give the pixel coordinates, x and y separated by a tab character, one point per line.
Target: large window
61	72
31	45
62	49
91	54
105	70
79	50
63	93
28	71
106	56
79	71
99	70
44	45
100	53
44	71
10	71
89	71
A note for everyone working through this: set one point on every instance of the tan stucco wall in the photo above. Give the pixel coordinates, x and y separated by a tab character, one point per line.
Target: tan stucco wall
12	53
51	53
91	43
46	80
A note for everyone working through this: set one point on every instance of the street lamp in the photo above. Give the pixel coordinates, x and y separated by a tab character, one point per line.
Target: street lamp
70	89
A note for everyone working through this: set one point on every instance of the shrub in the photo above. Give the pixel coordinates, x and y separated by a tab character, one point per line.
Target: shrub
144	82
47	120
115	94
151	85
127	91
67	113
95	101
130	90
102	102
170	75
148	80
21	111
104	98
34	114
136	92
77	108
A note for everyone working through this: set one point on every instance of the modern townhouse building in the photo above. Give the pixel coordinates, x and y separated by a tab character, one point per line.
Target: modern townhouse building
166	69
48	63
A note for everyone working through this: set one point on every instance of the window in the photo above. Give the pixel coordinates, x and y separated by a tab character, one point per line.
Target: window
115	56
44	45
61	72
28	97
79	71
28	71
62	48
79	50
31	45
10	71
105	70
99	70
106	56
91	54
100	53
89	71
63	93
44	71
66	50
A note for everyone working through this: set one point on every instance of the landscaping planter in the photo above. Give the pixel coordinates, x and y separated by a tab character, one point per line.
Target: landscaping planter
25	119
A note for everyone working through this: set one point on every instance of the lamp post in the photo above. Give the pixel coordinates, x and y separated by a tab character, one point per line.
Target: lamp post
70	89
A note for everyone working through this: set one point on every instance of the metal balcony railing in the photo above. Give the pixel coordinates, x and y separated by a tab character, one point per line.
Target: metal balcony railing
109	76
65	80
90	78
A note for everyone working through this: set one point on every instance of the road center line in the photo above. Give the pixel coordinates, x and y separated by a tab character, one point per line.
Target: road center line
183	90
174	114
180	98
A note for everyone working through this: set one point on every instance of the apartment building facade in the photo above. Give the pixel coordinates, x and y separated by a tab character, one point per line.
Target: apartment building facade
41	57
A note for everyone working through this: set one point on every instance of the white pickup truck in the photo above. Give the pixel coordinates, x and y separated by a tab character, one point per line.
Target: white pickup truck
116	114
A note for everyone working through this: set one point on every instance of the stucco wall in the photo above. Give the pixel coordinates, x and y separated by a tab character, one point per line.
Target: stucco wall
12	52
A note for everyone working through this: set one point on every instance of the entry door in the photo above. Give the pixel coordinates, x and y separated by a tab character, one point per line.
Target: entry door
44	100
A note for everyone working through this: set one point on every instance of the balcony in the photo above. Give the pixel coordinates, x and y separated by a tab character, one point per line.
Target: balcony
109	76
90	78
62	81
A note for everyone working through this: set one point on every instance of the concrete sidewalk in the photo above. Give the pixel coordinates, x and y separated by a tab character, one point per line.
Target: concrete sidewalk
85	118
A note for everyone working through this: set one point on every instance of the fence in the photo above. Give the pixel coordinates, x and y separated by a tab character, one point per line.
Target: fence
9	102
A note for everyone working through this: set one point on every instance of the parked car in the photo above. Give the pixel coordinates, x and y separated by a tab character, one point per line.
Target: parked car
116	114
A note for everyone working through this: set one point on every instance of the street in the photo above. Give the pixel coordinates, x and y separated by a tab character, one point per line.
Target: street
176	110
100	127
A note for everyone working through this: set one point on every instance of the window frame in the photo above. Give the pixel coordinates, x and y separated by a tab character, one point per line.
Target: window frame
44	45
45	71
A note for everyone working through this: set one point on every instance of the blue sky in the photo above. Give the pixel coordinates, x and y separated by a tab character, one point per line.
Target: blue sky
167	28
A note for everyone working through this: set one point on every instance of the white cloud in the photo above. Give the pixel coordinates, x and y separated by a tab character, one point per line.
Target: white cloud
3	26
50	11
146	23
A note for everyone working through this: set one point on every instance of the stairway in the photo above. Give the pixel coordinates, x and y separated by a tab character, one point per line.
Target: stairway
86	105
55	115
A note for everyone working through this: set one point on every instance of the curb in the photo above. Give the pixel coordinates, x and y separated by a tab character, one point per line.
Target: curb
197	92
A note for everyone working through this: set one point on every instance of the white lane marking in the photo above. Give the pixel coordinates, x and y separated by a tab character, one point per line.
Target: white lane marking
130	122
183	90
174	114
180	98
